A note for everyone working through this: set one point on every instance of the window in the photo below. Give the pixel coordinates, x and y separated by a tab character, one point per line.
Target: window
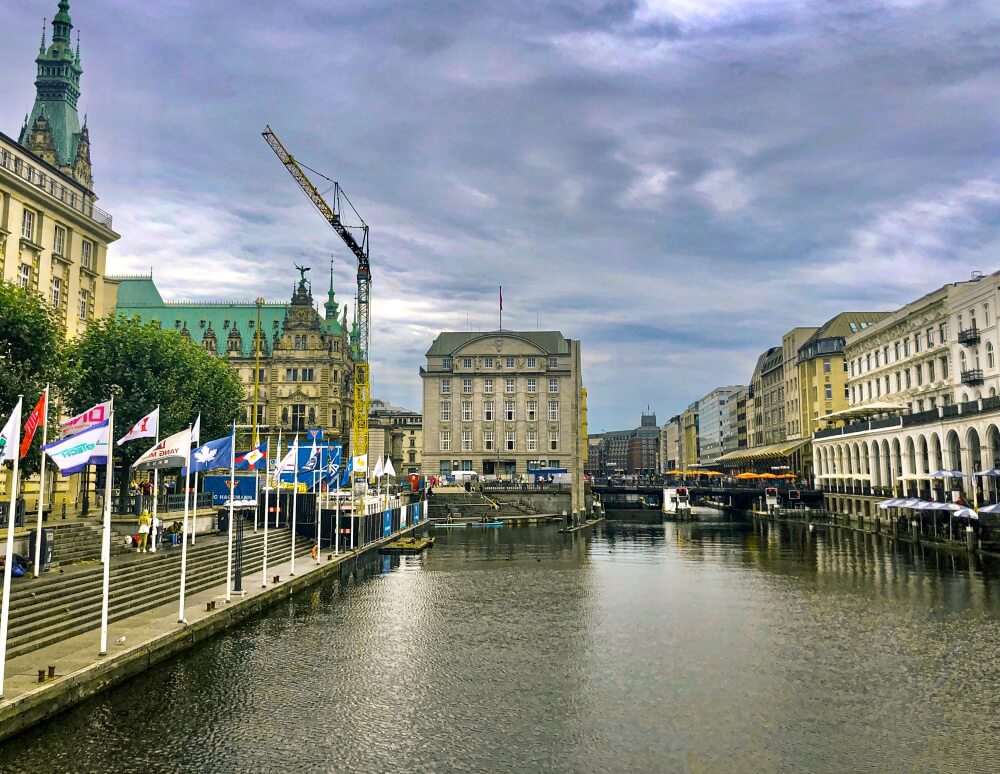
896	352
532	362
445	440
488	410
868	362
446	363
899	381
930	371
446	411
929	333
446	386
532	385
300	341
466	411
488	386
847	392
487	440
59	245
920	374
24	277
260	415
845	366
990	361
553	362
467	386
986	314
909	380
916	343
553	440
532	440
445	467
942	333
412	457
85	255
508	385
28	225
906	347
56	291
553	411
291	374
84	304
510	440
308	374
944	367
487	362
826	364
532	410
829	392
553	385
466	362
510	362
298	416
466	440
508	410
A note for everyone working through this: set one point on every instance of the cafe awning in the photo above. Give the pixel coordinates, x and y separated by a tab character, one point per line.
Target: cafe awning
774	451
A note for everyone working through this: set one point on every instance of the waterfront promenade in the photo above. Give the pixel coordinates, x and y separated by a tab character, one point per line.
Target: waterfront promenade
150	637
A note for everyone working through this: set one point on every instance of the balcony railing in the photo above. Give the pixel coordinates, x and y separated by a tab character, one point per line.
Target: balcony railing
969	336
973	377
49	183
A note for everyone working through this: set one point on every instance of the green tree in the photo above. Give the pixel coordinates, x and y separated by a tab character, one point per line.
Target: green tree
31	355
145	366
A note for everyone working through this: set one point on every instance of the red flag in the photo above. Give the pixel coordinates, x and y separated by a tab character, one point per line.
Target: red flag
31	425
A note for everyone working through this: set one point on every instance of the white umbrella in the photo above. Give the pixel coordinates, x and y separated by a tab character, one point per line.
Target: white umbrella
946	474
995	473
990	508
893	503
965	513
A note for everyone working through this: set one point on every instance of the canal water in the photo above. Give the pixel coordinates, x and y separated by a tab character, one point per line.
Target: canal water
708	646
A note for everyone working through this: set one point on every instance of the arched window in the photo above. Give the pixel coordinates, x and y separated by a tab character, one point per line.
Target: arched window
993	392
990	359
961	359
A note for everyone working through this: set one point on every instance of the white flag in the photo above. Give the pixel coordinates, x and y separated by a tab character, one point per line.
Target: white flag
8	436
388	469
378	468
88	418
360	463
73	454
288	462
172	452
147	427
196	431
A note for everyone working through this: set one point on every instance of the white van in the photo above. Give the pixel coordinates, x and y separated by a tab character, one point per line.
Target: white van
461	476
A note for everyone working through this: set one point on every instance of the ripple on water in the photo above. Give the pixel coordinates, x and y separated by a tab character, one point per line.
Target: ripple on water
696	647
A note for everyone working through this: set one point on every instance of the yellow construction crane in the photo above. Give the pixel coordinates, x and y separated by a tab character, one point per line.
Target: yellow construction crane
333	216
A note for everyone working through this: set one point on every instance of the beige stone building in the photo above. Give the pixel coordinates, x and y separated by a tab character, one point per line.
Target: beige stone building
398	432
53	237
502	403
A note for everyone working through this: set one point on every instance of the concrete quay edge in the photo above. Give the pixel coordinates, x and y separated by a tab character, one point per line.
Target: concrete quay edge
63	692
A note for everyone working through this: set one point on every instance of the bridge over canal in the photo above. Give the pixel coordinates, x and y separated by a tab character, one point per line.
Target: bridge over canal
741	497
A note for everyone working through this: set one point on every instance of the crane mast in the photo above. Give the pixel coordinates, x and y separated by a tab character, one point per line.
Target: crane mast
333	216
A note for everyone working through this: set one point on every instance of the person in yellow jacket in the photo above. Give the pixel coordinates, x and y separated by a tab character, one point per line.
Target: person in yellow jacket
144	521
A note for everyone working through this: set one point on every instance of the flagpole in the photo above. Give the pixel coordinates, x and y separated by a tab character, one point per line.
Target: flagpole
336	531
9	552
267	494
156	486
41	483
319	525
277	483
295	497
106	537
194	500
184	549
232	496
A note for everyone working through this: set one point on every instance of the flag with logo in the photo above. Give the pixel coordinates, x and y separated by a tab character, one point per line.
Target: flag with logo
347	472
248	460
8	434
287	462
335	454
171	452
88	418
31	424
388	469
359	463
310	464
72	454
147	427
212	455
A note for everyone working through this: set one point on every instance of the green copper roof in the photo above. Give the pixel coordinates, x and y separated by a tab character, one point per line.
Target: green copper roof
58	89
550	342
139	296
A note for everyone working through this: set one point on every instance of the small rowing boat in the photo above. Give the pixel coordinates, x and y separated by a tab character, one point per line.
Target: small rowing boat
486	524
450	525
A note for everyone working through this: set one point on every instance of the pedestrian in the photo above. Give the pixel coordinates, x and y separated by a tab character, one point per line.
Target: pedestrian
144	520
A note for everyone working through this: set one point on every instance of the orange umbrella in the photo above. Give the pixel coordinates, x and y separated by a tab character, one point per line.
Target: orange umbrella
768	475
787	475
711	473
748	475
674	473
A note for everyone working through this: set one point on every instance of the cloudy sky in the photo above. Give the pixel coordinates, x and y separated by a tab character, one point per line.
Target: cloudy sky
674	182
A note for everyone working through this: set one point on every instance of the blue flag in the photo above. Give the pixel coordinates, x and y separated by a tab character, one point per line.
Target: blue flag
212	455
335	454
347	472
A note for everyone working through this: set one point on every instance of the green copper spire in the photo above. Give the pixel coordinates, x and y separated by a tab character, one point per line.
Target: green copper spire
331	304
41	48
57	87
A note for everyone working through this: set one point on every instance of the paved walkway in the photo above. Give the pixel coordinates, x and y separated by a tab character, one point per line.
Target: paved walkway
78	654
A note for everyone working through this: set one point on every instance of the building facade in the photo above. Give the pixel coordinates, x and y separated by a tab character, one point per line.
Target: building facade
396	432
306	359
690	446
502	403
766	404
715	423
53	237
790	344
670	444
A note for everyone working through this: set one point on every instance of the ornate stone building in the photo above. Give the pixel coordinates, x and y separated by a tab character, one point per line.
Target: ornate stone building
306	358
53	238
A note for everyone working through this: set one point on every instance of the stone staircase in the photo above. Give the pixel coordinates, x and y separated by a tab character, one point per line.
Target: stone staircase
80	541
460	505
55	607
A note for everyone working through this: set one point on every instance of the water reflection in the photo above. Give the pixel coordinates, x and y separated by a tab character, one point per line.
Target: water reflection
713	645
